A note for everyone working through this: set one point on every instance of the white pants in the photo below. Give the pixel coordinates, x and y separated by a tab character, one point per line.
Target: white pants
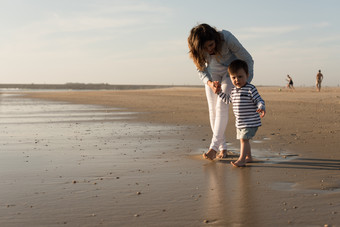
218	113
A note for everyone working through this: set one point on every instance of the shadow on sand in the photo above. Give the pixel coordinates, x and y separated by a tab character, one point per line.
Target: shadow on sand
296	163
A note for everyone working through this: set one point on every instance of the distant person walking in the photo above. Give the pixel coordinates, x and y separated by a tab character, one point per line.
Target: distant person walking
290	82
212	51
319	78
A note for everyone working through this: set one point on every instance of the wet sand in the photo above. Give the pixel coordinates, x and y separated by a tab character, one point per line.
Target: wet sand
133	158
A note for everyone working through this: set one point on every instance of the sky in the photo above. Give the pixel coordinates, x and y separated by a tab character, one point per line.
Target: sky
145	41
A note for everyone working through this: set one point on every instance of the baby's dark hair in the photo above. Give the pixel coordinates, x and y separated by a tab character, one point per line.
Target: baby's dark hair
237	65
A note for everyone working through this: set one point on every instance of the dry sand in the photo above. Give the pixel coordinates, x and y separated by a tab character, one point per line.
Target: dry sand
151	173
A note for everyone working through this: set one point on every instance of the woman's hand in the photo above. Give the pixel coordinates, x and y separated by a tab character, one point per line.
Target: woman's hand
215	86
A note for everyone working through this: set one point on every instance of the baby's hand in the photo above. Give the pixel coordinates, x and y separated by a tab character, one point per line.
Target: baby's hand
261	112
217	85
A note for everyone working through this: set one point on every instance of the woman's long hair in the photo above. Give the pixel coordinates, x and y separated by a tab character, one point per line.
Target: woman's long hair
196	40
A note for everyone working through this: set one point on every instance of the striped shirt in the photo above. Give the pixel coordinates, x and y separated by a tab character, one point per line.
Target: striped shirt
246	100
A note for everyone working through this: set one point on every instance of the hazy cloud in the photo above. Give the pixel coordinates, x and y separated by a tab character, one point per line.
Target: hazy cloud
259	32
321	25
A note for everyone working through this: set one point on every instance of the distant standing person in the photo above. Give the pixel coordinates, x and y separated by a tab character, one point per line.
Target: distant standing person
212	51
319	78
290	82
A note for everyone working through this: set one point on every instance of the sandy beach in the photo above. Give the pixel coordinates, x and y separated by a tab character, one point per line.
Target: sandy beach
133	158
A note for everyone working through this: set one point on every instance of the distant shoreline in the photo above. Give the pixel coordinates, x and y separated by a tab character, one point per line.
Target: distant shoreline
81	86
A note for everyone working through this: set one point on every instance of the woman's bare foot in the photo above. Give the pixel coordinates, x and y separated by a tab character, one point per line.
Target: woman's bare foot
238	164
222	154
210	155
249	159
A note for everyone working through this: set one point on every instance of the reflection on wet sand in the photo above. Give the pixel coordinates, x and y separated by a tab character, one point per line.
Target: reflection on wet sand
229	195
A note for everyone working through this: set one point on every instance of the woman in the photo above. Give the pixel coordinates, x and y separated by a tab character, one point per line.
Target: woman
212	51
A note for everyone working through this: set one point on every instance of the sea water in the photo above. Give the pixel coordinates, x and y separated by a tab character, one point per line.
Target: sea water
40	133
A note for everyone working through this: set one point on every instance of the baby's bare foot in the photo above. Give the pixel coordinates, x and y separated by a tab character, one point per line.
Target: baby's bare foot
222	154
210	155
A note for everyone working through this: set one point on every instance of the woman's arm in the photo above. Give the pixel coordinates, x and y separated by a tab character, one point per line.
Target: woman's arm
207	79
204	76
